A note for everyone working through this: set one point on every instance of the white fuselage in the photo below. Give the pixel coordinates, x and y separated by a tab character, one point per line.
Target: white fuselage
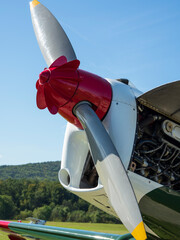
120	123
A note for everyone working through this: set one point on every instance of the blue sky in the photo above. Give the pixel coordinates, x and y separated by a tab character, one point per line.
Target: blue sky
138	40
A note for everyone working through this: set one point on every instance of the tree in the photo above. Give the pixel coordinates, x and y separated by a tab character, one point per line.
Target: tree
43	213
24	214
60	213
78	216
95	216
7	208
45	200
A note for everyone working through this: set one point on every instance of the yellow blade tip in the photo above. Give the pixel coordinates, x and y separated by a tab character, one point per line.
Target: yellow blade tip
34	3
139	232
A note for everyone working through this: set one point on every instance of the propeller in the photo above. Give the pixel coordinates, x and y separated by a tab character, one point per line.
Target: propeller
51	37
53	43
111	171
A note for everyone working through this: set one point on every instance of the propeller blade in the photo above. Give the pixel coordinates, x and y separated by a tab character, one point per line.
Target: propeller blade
51	37
111	171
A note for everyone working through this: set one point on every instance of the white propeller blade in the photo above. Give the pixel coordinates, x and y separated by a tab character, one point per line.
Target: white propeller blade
51	37
111	171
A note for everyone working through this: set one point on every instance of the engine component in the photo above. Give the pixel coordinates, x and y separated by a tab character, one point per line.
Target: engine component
157	148
171	129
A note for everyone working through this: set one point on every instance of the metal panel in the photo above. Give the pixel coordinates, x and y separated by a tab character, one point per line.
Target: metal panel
164	99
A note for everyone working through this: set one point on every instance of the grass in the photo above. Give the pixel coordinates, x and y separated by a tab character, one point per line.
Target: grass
3	235
97	227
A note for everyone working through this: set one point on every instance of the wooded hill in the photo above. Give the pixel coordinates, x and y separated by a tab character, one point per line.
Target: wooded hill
40	171
34	190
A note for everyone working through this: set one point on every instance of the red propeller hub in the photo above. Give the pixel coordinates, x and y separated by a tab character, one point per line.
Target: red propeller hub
63	85
44	76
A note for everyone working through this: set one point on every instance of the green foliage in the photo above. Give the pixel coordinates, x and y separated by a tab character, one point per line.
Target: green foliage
59	213
24	214
7	208
43	212
95	216
33	191
45	200
78	216
41	171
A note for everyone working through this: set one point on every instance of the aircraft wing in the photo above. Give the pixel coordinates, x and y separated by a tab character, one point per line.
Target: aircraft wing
21	231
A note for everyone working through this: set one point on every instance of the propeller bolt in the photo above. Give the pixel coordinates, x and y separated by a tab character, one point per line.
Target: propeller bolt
44	76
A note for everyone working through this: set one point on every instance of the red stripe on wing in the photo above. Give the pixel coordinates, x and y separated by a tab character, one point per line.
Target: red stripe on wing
4	224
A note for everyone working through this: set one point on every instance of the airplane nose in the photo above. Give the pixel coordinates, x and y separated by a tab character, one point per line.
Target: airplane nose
63	85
